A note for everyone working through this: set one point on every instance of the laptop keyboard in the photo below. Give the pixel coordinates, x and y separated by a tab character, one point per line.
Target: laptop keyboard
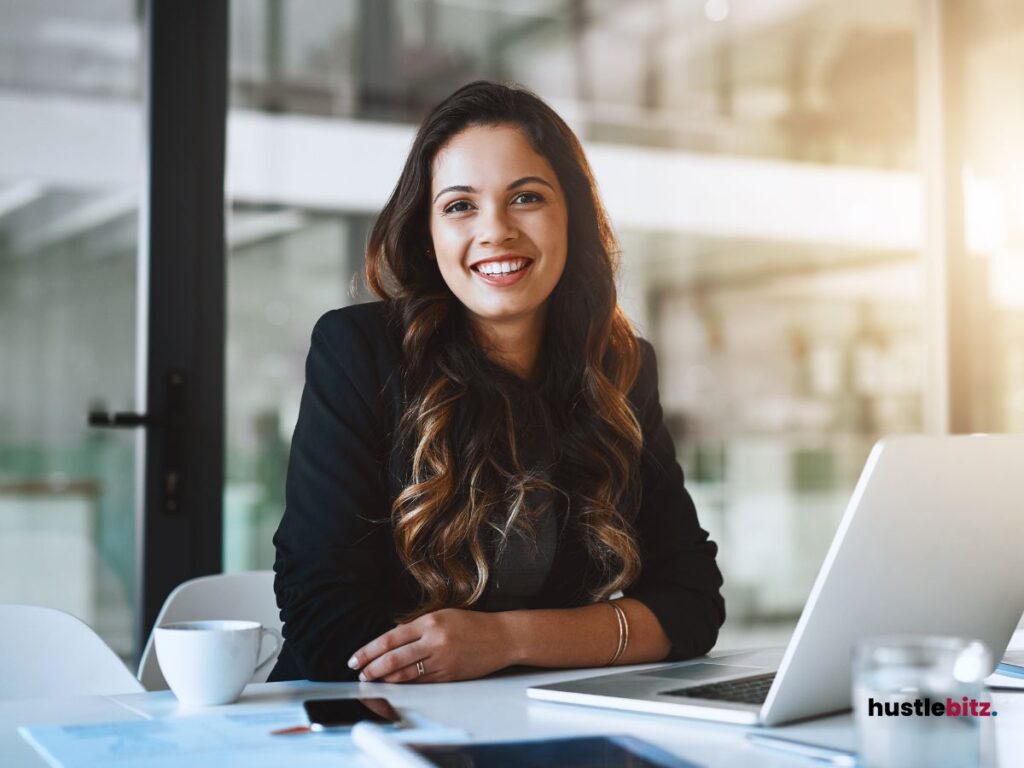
745	690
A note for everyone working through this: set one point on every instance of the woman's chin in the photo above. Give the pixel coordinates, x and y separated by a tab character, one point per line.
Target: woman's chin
505	311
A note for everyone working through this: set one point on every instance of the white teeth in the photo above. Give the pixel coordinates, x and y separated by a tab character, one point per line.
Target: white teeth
502	268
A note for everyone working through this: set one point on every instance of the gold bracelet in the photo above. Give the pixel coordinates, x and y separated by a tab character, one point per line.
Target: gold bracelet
618	623
623	622
620	617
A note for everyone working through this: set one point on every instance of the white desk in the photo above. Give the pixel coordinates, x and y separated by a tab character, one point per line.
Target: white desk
495	708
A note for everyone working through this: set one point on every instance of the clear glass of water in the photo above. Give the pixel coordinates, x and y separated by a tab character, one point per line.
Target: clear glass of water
919	701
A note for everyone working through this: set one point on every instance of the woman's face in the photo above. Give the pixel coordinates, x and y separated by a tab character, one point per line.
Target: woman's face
499	223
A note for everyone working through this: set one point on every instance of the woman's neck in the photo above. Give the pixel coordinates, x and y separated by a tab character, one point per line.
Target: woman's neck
515	342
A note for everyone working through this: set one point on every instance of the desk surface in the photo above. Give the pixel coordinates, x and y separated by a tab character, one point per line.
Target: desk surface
495	708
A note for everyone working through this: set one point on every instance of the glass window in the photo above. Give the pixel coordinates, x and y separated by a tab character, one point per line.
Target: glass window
995	162
287	267
69	165
824	82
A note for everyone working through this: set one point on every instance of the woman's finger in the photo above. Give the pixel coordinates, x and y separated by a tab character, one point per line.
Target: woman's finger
393	661
408	674
436	676
401	635
412	675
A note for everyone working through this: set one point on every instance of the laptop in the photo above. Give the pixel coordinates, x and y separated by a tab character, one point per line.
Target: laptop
932	542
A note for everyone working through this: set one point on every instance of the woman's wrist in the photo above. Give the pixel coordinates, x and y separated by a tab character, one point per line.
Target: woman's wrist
514	637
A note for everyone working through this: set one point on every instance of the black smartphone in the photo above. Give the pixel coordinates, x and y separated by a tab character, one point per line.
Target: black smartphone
344	713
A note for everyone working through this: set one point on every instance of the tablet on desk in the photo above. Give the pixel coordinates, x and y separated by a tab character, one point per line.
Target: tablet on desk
581	752
572	752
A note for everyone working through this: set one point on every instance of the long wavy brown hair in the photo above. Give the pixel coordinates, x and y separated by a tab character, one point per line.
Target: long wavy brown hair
468	484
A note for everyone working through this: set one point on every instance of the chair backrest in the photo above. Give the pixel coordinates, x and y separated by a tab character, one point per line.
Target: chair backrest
49	653
248	596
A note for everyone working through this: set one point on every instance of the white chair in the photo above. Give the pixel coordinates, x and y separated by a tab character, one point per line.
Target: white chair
49	653
245	596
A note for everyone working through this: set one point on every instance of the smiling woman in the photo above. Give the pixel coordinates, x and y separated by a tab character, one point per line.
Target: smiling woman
480	464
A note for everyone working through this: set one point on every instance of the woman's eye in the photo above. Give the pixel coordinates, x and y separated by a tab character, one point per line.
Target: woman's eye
527	197
459	206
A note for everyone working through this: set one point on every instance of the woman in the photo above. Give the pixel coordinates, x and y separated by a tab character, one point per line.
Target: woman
480	463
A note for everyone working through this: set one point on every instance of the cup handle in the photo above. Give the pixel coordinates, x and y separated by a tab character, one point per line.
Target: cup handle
278	641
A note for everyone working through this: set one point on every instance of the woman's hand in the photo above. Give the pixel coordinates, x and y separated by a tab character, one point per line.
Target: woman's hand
452	644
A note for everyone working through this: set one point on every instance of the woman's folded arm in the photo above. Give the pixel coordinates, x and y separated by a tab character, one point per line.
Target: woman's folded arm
680	581
333	582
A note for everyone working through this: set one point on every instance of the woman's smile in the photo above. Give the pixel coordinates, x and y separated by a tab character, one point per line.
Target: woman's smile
502	271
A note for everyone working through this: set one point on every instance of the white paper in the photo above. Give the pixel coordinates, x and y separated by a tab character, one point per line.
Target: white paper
998	680
199	741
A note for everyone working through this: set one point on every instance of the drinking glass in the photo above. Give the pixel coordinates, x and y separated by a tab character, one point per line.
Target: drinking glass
919	701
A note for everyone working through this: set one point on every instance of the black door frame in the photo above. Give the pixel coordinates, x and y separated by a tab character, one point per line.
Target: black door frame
182	293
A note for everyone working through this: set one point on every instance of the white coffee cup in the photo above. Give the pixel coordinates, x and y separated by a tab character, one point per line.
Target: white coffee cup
207	663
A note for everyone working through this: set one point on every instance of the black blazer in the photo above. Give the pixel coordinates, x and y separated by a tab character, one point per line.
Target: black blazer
339	581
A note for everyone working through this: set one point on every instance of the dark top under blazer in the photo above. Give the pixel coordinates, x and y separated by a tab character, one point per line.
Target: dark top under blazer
339	580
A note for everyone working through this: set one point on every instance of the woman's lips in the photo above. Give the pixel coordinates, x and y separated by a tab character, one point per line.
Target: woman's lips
502	280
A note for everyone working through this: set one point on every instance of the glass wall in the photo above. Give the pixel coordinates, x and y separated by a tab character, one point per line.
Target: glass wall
759	162
995	159
287	267
769	79
69	180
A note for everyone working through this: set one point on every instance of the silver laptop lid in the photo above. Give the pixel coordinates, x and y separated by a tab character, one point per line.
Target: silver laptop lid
932	542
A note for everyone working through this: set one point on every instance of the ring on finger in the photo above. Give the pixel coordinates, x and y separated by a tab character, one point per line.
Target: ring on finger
420	669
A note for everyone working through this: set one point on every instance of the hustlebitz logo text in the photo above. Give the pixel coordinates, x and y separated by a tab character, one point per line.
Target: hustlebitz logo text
965	707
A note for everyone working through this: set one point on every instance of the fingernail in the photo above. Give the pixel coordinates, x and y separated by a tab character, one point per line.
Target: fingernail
353	663
362	677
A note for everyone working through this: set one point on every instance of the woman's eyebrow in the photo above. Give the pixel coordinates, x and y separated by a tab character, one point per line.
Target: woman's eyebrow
529	180
456	188
514	185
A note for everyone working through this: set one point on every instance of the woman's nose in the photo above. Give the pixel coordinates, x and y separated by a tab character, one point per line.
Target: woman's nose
496	227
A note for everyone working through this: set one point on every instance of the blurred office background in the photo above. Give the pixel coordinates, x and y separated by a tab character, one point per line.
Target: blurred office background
761	161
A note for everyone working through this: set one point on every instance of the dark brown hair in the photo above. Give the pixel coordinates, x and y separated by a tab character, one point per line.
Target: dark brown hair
467	476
